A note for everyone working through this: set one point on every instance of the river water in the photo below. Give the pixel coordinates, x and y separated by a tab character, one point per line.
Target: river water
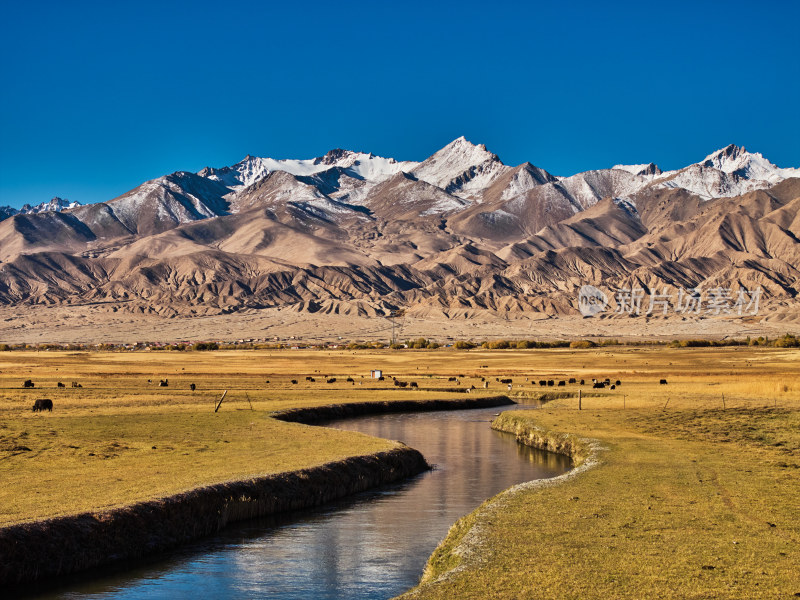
372	545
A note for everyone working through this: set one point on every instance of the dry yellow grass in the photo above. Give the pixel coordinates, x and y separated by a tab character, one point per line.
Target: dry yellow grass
119	438
691	500
681	481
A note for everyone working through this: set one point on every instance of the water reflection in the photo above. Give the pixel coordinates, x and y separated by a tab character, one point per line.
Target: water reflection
373	545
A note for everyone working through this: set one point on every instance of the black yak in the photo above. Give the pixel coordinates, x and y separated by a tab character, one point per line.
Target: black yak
43	404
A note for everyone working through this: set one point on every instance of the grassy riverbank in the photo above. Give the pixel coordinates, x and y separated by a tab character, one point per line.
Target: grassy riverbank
681	478
686	502
120	438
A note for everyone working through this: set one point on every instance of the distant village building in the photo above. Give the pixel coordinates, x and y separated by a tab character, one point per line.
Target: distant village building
376	374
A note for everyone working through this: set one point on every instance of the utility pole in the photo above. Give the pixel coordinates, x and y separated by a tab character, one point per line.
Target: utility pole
392	316
580	398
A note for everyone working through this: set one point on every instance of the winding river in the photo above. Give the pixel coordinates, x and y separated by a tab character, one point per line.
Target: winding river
372	545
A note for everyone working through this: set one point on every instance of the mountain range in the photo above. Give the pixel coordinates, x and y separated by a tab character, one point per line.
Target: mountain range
454	235
56	204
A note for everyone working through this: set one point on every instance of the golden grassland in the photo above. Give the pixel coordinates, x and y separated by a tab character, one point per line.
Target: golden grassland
120	437
693	498
690	499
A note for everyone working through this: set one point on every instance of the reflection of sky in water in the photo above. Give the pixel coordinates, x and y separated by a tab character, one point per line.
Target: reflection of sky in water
373	545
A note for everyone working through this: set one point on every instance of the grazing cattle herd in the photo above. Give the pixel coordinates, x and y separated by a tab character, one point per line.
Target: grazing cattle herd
46	404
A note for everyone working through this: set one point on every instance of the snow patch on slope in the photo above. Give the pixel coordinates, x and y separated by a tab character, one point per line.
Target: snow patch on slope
55	205
461	168
728	172
524	180
356	164
738	161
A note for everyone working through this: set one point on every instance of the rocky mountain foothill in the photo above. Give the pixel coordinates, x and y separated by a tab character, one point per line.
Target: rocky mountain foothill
458	239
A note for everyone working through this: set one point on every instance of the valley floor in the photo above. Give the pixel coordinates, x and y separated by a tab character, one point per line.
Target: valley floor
692	498
110	322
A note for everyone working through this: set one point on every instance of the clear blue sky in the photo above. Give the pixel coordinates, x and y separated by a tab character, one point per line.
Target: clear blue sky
100	96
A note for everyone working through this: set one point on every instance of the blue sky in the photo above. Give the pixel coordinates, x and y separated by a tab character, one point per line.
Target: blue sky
100	96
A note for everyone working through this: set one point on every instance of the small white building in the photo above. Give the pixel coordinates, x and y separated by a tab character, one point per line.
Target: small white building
376	374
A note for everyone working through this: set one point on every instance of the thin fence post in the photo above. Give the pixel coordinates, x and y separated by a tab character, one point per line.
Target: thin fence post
220	400
580	398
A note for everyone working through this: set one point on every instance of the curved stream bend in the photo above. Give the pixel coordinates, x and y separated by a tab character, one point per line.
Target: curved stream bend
372	545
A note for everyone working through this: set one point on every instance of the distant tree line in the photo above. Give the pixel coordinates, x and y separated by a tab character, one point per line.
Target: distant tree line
786	341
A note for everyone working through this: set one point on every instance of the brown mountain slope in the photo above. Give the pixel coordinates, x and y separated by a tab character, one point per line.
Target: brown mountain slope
458	235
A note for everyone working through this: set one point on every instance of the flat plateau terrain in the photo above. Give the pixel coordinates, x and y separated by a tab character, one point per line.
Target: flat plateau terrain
694	497
111	322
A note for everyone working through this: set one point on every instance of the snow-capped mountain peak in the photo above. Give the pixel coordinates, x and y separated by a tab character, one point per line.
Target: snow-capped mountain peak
461	168
730	171
356	164
56	204
643	170
738	161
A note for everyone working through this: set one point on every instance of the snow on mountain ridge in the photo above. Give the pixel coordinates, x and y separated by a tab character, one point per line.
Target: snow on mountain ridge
54	205
643	169
588	188
467	170
738	161
461	168
727	172
525	179
357	164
